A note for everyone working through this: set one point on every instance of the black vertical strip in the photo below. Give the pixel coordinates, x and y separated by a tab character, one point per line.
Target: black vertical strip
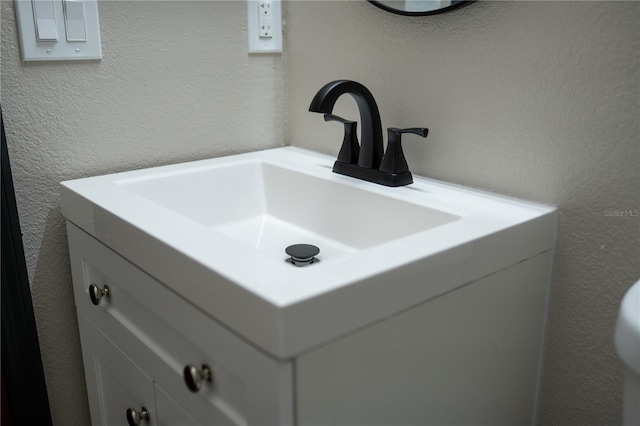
21	360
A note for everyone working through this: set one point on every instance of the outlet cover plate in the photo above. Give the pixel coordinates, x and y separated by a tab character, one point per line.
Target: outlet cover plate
259	44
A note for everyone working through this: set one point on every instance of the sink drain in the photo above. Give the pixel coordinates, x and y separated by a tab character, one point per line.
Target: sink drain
302	254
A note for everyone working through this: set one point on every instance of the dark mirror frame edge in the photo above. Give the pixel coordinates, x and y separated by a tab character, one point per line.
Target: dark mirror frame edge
429	13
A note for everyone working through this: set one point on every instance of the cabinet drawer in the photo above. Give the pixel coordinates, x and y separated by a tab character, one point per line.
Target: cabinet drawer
162	333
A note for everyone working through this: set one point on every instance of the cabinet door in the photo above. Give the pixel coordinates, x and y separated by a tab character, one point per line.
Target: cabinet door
114	382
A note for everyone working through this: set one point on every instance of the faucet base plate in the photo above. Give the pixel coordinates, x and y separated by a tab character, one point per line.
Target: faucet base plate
372	175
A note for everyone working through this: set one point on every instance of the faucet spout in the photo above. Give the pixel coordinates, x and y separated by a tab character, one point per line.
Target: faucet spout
371	149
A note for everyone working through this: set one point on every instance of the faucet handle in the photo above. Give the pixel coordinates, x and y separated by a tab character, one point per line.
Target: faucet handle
350	149
420	131
394	161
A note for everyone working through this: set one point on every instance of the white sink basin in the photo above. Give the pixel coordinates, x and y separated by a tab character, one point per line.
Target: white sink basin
215	232
269	207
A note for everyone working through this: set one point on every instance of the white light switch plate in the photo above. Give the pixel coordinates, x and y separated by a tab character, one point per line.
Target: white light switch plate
62	48
257	42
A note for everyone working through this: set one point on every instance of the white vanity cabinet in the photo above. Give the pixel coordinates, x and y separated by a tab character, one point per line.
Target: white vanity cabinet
139	338
470	356
427	304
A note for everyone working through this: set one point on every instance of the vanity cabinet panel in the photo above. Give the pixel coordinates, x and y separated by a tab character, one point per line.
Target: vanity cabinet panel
469	357
170	413
162	333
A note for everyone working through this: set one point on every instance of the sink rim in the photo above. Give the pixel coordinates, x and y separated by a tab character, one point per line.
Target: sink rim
282	298
326	276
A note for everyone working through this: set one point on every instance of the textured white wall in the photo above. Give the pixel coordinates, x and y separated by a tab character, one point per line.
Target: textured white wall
534	99
175	84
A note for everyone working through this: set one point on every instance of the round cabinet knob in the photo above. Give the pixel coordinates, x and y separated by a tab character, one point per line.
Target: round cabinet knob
96	293
194	377
136	417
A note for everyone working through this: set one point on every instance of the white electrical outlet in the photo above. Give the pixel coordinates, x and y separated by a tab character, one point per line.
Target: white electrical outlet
265	19
264	24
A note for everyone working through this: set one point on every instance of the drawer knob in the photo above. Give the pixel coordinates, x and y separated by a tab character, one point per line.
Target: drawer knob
194	377
136	417
96	293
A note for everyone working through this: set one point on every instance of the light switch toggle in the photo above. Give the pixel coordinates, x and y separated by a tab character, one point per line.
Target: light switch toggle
44	18
74	20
